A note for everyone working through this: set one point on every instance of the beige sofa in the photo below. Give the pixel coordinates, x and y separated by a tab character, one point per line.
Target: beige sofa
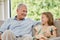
57	24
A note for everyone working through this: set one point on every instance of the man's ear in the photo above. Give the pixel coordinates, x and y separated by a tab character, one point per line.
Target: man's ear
17	10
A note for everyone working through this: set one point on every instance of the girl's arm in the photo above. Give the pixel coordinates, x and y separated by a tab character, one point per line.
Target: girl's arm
36	35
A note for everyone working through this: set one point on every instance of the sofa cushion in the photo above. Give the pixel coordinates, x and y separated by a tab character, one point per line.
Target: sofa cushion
57	24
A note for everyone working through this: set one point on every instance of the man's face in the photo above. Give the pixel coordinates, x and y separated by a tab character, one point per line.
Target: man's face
22	12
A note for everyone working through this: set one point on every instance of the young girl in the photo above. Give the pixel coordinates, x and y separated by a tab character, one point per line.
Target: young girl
46	29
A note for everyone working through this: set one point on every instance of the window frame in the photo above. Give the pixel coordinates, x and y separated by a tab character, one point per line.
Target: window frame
10	7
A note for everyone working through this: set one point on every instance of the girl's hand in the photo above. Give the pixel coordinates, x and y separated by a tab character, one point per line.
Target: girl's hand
47	34
42	37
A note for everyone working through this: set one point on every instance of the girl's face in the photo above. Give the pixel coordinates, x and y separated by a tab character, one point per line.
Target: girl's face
44	19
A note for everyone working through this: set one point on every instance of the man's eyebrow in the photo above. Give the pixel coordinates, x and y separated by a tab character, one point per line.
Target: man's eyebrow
24	10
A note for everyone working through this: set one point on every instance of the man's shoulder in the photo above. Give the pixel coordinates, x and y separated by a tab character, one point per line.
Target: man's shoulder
29	19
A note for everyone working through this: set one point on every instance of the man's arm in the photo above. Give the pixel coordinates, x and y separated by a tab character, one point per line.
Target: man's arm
36	23
5	25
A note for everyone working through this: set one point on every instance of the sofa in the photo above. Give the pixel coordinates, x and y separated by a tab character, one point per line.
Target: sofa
57	24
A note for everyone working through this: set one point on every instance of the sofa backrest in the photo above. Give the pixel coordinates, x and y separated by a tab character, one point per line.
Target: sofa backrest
1	22
57	24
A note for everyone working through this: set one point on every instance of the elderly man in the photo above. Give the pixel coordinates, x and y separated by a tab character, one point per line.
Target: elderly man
19	28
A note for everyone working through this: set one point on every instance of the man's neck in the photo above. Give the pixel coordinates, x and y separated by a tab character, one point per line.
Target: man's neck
19	19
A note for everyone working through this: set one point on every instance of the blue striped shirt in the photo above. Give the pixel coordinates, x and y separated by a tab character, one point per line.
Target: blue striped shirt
21	27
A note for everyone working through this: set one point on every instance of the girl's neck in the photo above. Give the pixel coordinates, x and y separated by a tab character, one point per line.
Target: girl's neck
46	24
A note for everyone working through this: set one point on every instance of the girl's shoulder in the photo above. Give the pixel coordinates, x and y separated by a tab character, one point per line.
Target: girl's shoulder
53	27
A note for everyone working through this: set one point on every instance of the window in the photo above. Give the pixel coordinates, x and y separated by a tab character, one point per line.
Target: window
4	9
36	7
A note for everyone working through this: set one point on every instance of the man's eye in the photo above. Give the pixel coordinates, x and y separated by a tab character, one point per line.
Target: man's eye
24	11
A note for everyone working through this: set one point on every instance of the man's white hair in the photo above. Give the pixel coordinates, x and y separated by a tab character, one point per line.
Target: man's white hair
21	5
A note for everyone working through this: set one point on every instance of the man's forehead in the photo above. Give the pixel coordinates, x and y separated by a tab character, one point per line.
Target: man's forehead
23	6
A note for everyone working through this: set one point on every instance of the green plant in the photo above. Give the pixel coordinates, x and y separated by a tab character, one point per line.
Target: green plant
36	7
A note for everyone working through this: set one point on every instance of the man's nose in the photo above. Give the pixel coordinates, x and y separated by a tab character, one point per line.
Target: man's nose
25	13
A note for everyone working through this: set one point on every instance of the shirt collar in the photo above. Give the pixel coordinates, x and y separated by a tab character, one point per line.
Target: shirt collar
15	18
